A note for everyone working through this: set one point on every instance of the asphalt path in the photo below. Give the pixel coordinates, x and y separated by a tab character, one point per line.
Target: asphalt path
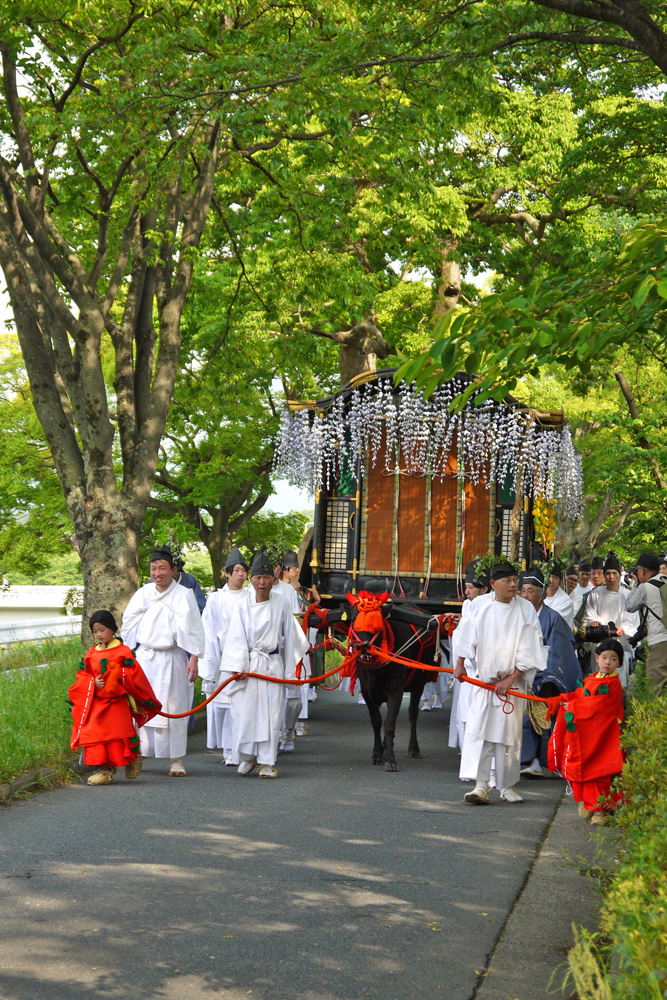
338	881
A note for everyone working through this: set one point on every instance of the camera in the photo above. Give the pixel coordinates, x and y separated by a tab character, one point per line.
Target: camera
594	633
640	634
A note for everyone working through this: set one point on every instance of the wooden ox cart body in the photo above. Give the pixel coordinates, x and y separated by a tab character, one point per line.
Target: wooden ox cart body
407	492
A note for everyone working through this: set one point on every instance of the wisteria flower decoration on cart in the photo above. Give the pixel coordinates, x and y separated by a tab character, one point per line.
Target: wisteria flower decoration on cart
495	442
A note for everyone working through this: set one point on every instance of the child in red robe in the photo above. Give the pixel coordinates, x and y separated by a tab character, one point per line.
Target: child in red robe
586	742
111	698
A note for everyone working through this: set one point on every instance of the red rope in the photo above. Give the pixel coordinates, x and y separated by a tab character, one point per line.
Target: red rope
450	670
349	658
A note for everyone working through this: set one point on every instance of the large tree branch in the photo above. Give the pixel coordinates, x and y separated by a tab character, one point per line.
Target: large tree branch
641	439
87	53
140	475
42	369
568	37
239	522
630	15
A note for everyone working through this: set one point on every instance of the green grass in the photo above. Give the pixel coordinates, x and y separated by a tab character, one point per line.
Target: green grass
35	720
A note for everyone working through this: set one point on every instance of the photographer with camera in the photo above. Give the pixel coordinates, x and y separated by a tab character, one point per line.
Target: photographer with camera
648	597
609	604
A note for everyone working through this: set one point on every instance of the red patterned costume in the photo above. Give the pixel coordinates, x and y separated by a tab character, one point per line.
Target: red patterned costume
585	745
104	718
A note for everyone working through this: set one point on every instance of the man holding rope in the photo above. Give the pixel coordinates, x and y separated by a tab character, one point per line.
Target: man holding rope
264	638
502	633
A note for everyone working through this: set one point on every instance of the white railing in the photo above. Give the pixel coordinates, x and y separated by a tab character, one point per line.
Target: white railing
38	629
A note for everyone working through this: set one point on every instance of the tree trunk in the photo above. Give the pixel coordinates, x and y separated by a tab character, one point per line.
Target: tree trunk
352	362
359	349
108	548
449	285
580	538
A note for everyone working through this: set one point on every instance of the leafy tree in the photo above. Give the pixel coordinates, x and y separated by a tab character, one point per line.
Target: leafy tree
34	523
124	117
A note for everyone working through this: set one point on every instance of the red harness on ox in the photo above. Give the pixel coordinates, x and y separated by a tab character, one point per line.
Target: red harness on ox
369	620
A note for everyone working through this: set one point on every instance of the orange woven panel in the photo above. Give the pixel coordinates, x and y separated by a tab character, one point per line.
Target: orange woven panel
443	534
379	519
411	524
477	537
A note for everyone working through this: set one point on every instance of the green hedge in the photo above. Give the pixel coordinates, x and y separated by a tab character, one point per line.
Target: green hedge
634	914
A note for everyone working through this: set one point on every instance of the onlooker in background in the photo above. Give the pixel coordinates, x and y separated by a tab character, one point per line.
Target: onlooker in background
187	580
648	597
556	598
584	586
571	579
608	604
663	564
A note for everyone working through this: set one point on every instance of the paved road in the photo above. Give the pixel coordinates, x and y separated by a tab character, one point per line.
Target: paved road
338	881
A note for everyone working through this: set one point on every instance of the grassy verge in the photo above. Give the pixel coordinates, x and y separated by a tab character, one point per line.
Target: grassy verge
634	913
35	720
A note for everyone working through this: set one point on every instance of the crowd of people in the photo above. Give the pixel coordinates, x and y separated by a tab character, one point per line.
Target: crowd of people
566	646
514	634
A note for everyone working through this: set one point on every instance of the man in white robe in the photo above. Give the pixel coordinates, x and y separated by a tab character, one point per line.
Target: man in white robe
162	622
502	633
556	598
263	637
215	620
296	712
476	585
607	604
584	585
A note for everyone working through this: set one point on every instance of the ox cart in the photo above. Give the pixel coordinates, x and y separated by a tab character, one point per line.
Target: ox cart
408	490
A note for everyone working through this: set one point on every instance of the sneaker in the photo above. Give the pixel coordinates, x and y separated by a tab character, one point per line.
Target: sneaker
267	771
103	777
510	795
246	766
176	769
479	796
133	769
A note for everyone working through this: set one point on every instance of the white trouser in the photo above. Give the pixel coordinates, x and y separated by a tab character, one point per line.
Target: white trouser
508	763
170	741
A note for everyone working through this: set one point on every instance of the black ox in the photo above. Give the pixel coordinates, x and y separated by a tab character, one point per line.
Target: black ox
404	631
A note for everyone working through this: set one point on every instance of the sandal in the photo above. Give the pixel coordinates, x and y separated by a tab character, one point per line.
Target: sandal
176	769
